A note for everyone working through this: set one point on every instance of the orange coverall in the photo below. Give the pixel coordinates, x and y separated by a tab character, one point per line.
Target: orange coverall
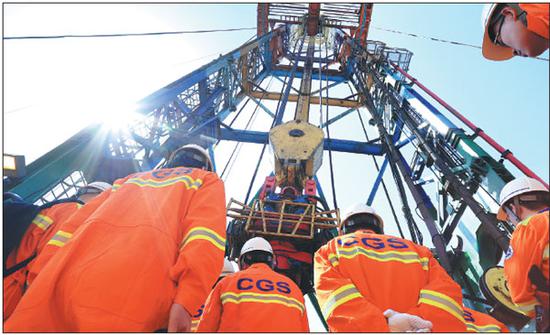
528	247
537	17
257	299
38	233
63	232
195	318
158	238
360	275
477	322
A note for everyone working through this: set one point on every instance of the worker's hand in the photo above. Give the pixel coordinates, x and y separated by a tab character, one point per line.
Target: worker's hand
179	320
403	322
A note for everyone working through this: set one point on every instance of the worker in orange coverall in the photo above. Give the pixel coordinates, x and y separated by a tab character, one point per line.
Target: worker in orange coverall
477	322
227	270
524	203
34	243
369	282
255	299
92	195
515	29
142	261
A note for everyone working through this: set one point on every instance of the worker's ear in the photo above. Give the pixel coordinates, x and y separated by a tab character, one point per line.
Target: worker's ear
509	11
518	211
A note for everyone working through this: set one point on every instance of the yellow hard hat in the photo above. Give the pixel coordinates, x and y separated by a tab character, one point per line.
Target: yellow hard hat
489	49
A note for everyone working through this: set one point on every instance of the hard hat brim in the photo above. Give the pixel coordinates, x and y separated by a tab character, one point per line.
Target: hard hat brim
373	214
501	214
495	52
191	147
492	51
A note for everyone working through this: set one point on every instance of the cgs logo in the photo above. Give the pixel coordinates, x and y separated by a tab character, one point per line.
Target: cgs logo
469	317
199	312
509	253
265	285
165	173
375	243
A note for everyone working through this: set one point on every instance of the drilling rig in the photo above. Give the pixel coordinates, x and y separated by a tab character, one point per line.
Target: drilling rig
304	46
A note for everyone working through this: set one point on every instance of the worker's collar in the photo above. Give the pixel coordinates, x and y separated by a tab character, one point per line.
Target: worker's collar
370	231
259	265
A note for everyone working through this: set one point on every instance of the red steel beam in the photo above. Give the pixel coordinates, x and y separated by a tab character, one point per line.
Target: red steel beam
313	19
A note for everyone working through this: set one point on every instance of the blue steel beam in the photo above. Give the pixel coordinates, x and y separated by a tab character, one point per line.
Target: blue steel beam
404	142
209	101
337	117
425	198
409	92
377	181
177	136
334	83
259	137
397	130
282	81
183	106
169	92
212	157
262	106
320	189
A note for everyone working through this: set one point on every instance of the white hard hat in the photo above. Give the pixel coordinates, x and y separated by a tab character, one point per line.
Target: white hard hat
256	244
489	49
228	268
361	208
98	185
517	187
204	156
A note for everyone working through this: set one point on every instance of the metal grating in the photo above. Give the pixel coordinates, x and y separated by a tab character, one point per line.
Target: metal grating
334	14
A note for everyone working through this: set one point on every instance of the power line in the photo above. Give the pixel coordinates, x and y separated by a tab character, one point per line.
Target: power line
128	34
440	40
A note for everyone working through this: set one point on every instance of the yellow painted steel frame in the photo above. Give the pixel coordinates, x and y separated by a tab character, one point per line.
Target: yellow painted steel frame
294	97
260	221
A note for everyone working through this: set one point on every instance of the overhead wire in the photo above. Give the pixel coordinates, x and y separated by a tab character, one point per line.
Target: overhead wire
441	40
329	141
238	146
180	32
17	110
